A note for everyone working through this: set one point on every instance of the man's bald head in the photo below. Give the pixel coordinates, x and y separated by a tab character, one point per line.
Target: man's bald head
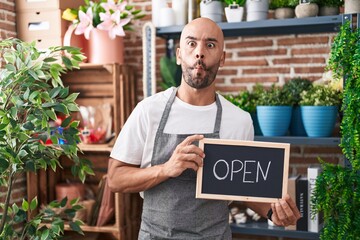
205	26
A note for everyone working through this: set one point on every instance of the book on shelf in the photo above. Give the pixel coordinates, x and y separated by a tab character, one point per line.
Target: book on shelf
292	192
302	203
314	219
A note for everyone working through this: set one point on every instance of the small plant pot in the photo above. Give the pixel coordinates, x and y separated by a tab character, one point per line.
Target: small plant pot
328	11
351	6
257	130
274	120
296	124
282	13
234	13
212	9
256	10
319	121
306	10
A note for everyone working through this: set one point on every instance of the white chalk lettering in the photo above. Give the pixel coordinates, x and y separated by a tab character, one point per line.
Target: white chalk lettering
227	171
232	168
238	166
245	172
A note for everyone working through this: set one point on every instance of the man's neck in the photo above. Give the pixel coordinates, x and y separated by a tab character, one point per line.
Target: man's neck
197	97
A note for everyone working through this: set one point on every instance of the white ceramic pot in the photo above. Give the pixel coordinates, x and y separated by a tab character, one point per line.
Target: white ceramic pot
328	11
352	6
234	14
257	10
212	9
306	10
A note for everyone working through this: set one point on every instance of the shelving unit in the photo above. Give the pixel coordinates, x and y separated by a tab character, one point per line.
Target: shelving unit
97	84
310	25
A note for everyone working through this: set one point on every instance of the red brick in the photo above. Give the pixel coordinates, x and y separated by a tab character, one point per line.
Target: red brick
309	69
322	150
305	51
224	71
7	6
254	80
303	40
266	52
266	70
299	60
229	89
258	62
249	43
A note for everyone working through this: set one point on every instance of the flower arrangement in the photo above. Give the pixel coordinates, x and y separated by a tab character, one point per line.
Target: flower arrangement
113	16
321	95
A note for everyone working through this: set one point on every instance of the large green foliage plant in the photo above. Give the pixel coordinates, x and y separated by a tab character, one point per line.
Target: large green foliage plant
31	96
337	190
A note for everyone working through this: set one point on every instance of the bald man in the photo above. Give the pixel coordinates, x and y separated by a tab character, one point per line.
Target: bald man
156	152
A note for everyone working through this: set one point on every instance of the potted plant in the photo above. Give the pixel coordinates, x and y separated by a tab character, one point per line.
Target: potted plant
103	23
307	8
256	10
234	10
213	9
31	95
247	101
319	108
283	8
274	111
294	87
329	7
337	188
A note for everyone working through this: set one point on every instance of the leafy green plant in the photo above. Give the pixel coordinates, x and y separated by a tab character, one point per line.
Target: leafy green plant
295	86
31	95
320	95
274	4
170	72
275	96
247	100
337	190
232	2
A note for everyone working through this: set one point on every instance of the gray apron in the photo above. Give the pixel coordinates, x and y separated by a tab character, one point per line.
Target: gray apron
170	209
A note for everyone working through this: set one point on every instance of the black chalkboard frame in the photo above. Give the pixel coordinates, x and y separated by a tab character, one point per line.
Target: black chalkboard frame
248	145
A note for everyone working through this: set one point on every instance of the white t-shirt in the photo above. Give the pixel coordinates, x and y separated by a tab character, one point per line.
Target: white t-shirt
135	142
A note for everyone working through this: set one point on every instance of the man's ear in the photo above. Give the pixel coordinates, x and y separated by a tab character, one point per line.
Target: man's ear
178	57
222	59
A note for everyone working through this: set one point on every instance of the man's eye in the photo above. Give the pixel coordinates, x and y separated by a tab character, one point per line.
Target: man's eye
211	45
191	44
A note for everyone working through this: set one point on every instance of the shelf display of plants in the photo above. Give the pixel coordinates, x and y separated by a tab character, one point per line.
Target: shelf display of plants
337	191
329	7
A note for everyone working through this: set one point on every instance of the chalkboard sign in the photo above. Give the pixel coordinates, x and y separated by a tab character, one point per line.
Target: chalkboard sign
243	170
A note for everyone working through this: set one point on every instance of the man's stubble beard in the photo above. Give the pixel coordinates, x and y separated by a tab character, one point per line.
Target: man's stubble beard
200	82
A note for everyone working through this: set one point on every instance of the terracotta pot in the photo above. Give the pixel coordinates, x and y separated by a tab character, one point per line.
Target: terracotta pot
69	190
103	50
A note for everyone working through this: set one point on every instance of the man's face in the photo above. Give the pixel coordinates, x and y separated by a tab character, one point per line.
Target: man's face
201	52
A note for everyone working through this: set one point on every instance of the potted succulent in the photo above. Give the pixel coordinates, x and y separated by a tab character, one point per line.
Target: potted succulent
319	108
31	95
274	111
329	7
337	188
294	87
283	8
234	10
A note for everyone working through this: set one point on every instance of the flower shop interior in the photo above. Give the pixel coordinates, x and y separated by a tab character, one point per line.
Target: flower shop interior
293	60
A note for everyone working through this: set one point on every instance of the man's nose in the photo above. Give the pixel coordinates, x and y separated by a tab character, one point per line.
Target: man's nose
199	56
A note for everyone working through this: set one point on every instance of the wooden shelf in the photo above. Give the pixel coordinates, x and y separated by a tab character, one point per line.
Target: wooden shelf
86	228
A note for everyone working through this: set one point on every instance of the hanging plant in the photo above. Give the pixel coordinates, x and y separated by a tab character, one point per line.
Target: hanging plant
337	191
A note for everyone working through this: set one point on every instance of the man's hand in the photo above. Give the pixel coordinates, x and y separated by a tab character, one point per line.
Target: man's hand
285	212
186	155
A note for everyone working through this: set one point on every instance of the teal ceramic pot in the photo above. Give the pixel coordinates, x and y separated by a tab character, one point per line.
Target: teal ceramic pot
319	121
274	120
